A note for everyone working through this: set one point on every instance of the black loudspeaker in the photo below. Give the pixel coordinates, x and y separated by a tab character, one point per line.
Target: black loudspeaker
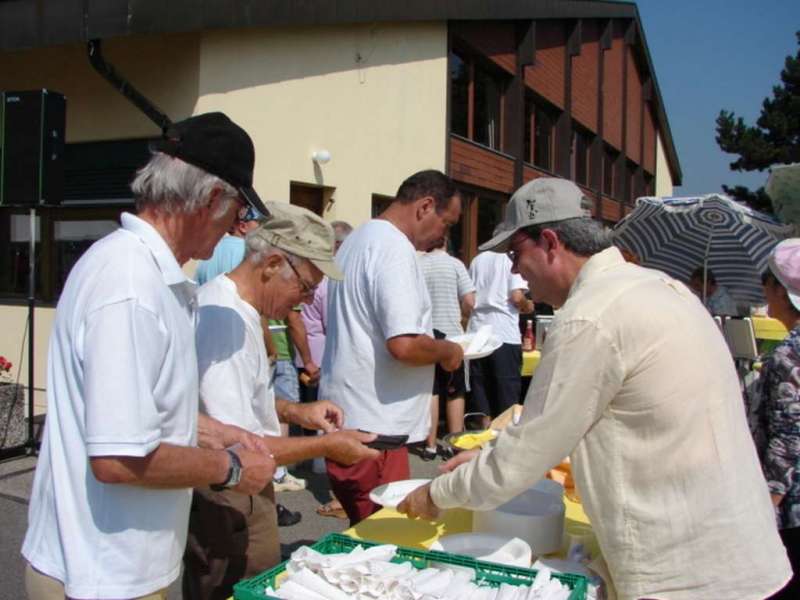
32	127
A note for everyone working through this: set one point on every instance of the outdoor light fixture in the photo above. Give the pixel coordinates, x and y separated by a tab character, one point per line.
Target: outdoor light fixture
321	157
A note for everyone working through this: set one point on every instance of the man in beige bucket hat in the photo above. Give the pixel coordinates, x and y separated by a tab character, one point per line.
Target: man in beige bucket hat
285	259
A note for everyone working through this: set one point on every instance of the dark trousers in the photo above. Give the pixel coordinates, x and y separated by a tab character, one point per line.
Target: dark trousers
352	485
495	381
791	540
232	537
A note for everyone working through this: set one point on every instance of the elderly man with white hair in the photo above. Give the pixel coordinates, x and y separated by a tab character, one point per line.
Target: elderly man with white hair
110	502
232	536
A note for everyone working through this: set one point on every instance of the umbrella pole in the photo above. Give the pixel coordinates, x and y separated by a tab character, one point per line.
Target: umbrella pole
705	266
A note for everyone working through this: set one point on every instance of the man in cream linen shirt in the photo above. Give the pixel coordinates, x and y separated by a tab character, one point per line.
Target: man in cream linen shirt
110	502
637	385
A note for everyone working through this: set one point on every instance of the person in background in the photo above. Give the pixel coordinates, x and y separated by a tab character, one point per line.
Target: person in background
110	504
232	536
229	252
775	413
495	381
379	349
636	384
452	299
718	300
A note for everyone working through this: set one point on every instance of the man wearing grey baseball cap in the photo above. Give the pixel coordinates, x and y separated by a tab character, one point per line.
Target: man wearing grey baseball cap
637	386
233	536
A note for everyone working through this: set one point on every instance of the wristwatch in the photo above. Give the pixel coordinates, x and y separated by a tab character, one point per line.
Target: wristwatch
234	473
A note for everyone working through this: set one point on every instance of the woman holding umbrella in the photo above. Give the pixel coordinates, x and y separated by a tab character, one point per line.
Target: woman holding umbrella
775	415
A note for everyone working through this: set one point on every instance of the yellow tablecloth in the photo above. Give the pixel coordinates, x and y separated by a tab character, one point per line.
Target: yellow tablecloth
766	328
530	360
387	526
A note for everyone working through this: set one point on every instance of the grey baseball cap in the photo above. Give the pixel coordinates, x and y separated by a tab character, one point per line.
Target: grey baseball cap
543	200
302	233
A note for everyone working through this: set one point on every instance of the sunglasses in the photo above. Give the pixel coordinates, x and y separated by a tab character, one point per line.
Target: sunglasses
307	288
248	213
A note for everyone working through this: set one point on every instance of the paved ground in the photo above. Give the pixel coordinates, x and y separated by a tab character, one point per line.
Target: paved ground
16	477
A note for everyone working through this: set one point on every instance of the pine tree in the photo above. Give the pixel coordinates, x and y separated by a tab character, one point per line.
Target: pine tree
774	139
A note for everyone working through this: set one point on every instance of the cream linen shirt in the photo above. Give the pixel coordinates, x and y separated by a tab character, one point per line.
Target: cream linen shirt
637	385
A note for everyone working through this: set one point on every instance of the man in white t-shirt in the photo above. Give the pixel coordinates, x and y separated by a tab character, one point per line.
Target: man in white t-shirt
232	536
379	350
495	381
110	502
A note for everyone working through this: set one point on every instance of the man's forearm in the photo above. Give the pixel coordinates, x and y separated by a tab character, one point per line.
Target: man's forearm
299	336
418	350
168	466
288	450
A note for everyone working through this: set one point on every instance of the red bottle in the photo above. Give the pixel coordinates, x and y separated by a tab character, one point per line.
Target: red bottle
529	339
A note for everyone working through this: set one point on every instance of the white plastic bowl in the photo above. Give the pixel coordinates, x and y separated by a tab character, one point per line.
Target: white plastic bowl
536	516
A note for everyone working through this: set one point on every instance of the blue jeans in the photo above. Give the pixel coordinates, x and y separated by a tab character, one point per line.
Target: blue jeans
285	381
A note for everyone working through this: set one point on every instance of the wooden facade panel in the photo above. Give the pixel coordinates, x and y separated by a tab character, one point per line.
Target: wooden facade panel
474	165
585	76
612	91
609	209
649	159
495	41
546	76
633	130
530	173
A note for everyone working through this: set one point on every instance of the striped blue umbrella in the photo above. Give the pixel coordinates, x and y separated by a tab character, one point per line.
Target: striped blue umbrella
678	235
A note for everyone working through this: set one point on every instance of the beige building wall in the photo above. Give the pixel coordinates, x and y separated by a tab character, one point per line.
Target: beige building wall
373	96
664	185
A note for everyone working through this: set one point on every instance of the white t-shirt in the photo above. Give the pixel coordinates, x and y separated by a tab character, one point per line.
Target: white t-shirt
383	295
121	379
494	282
232	360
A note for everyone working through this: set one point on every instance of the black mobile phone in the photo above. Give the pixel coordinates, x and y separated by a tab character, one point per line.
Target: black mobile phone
386	442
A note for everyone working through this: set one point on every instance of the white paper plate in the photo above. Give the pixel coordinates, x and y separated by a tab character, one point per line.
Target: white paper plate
490	346
392	494
487	546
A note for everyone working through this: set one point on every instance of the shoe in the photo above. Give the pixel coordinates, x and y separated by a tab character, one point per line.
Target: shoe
332	509
429	454
289	483
287	518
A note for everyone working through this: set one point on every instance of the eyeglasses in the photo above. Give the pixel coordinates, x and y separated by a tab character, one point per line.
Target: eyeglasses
307	288
513	254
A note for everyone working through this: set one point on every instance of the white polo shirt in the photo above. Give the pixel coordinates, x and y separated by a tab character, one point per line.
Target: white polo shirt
121	379
383	295
232	359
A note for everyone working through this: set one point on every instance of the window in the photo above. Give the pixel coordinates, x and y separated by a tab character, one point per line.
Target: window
609	162
581	145
63	234
307	196
476	100
540	119
490	214
649	185
459	95
486	120
631	192
380	203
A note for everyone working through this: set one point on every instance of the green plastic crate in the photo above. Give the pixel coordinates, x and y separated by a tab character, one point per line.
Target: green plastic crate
491	573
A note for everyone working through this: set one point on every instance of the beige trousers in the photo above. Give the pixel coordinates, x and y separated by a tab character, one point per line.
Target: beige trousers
39	586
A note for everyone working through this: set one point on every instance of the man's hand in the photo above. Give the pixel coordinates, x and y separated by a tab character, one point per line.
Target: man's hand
322	414
776	499
454	356
458	459
419	504
347	447
312	370
257	471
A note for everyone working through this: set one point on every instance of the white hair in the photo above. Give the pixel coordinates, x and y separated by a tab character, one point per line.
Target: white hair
174	186
257	249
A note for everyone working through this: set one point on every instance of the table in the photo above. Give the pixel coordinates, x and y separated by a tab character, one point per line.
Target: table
388	526
530	360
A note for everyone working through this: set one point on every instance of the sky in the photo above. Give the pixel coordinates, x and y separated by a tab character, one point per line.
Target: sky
711	55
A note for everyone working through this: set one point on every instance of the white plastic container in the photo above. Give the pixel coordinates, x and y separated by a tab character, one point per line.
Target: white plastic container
536	516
